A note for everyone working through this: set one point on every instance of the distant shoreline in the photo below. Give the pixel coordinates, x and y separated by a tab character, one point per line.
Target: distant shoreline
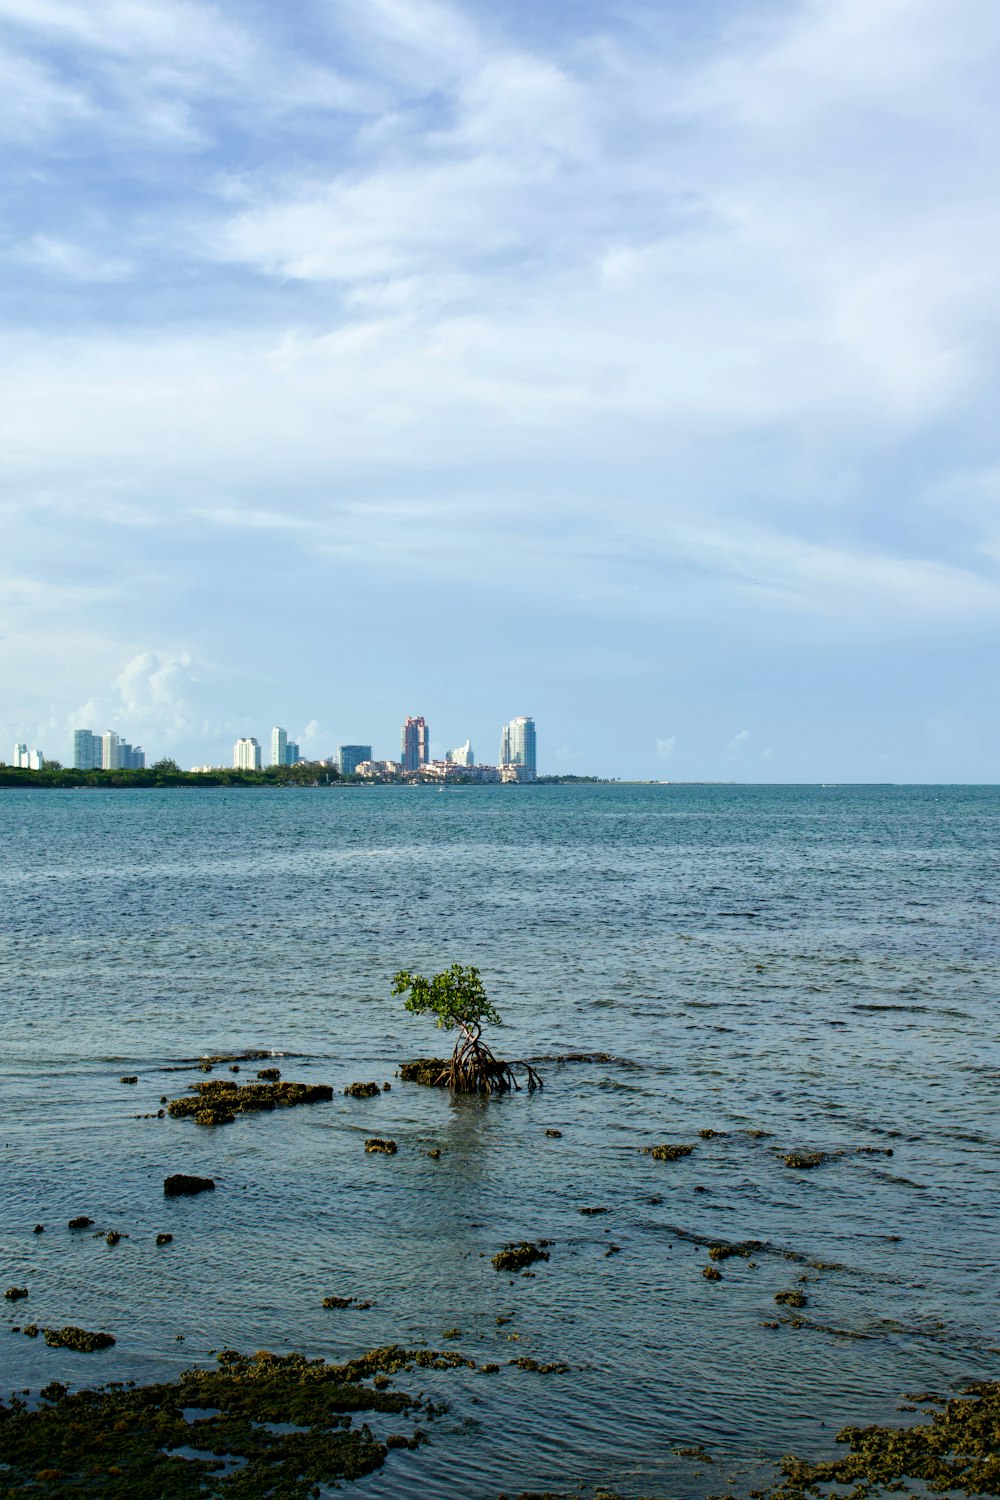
318	777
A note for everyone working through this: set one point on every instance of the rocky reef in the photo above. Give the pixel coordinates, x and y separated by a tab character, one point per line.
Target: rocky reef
362	1090
375	1143
288	1421
221	1100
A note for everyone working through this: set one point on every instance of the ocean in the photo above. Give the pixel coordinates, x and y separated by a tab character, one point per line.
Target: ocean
797	969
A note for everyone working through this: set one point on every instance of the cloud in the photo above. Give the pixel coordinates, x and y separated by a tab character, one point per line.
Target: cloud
738	742
665	748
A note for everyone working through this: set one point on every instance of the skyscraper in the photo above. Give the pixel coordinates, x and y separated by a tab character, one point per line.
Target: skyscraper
246	754
415	744
349	757
279	747
517	746
111	759
86	750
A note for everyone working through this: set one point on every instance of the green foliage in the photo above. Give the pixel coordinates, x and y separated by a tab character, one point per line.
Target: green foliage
166	764
455	996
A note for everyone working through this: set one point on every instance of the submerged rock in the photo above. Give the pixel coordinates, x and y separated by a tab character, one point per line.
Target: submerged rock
791	1299
179	1183
128	1078
38	1229
803	1160
269	1075
362	1090
516	1256
710	1273
80	1339
15	1293
555	1134
720	1250
347	1302
376	1143
81	1222
164	1239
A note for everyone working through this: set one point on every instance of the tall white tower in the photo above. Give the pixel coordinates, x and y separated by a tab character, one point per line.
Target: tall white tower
279	747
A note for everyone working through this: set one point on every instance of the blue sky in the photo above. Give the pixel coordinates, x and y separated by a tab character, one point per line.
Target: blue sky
634	367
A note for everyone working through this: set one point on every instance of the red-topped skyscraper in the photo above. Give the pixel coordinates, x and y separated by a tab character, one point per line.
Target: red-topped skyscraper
415	751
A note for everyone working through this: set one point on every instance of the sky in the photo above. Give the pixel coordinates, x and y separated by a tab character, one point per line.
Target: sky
629	366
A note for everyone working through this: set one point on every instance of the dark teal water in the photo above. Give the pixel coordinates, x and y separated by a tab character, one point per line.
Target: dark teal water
819	963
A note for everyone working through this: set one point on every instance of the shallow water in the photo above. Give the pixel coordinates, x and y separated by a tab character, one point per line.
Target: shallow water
818	963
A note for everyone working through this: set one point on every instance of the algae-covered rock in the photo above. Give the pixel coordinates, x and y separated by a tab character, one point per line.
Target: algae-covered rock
525	1362
355	1302
128	1078
516	1257
556	1135
179	1184
288	1419
431	1071
38	1229
362	1090
710	1135
376	1143
803	1160
791	1299
219	1101
667	1152
80	1339
15	1293
710	1273
269	1075
113	1236
80	1222
599	1210
164	1239
720	1250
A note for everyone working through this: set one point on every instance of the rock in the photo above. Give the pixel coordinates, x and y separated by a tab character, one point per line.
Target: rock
791	1299
164	1239
710	1134
128	1078
434	1153
80	1223
30	1330
711	1274
38	1229
80	1339
555	1134
516	1256
432	1071
234	1067
362	1090
594	1210
667	1152
15	1293
112	1237
387	1087
269	1075
803	1160
376	1143
179	1183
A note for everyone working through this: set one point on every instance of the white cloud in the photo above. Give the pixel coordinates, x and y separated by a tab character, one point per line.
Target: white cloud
665	748
738	742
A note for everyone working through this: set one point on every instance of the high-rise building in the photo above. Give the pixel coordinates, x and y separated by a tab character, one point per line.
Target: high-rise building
415	744
279	747
28	760
246	754
463	756
86	750
517	747
292	752
110	751
349	757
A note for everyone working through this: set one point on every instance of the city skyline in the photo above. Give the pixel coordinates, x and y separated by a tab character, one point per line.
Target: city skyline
518	358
